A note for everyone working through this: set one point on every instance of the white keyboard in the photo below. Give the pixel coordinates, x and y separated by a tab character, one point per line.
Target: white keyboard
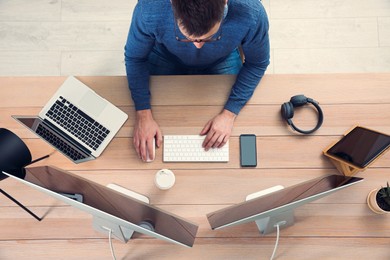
188	148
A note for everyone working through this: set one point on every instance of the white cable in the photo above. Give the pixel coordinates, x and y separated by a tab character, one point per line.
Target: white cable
110	242
277	240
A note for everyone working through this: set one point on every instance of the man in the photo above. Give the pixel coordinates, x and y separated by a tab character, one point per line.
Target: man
195	37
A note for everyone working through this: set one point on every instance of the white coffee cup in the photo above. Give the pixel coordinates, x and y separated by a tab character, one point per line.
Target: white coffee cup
164	179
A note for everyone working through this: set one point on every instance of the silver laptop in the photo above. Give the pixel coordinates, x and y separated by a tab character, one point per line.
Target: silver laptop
76	121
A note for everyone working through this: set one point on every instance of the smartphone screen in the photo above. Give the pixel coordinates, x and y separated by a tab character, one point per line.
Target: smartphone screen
360	146
248	154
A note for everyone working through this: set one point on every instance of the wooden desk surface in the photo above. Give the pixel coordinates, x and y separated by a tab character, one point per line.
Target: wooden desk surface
339	226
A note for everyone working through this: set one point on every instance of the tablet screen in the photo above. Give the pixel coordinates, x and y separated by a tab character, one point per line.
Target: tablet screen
360	146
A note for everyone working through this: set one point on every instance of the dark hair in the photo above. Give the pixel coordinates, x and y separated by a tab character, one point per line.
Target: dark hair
198	17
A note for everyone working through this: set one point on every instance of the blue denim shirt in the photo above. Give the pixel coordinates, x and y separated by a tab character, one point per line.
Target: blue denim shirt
152	27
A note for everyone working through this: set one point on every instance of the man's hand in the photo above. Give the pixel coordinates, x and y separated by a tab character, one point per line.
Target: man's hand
145	129
218	130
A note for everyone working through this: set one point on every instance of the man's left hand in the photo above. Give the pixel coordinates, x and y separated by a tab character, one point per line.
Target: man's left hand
218	130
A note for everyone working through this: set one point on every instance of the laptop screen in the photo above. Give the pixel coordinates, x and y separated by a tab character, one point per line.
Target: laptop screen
47	132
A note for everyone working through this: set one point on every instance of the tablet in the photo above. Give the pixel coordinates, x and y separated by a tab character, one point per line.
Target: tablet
359	147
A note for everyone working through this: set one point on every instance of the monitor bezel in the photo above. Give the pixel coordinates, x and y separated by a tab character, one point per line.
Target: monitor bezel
99	213
280	209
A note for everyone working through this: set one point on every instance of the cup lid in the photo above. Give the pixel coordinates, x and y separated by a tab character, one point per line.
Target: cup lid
164	179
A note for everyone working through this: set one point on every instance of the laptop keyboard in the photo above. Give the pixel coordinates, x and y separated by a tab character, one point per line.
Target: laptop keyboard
59	143
76	122
188	148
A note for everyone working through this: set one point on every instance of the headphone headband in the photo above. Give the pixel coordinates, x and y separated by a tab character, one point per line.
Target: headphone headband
287	112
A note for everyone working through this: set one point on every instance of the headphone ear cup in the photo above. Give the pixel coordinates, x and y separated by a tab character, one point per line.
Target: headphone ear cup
287	111
298	100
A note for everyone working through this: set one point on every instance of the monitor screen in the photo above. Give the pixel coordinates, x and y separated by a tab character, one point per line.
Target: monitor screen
279	201
110	205
360	146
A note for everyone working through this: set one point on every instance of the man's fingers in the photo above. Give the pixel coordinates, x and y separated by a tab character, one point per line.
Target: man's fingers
210	142
143	150
150	149
224	141
219	142
136	146
159	138
206	128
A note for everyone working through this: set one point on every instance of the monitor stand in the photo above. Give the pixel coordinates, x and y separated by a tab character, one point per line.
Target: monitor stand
268	224
121	233
344	168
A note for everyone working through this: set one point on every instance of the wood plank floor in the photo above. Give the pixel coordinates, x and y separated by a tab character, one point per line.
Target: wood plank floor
54	38
69	37
338	226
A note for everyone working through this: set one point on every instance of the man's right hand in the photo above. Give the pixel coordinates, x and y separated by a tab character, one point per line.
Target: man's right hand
145	129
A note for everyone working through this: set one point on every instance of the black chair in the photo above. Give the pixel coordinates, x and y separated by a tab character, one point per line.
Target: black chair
14	157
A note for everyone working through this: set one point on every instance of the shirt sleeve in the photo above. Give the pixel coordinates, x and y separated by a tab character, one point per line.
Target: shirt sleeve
138	46
256	49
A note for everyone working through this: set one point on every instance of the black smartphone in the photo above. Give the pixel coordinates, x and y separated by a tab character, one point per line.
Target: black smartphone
360	146
248	152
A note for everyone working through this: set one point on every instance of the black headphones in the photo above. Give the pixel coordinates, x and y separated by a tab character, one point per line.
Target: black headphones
297	101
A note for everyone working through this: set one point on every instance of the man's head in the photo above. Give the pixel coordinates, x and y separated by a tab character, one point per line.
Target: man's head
197	18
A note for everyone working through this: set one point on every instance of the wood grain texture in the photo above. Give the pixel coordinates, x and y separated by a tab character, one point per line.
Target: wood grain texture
85	31
338	226
328	9
273	89
330	59
384	31
229	248
324	33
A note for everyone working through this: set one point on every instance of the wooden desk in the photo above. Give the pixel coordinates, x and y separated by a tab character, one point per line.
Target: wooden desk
339	226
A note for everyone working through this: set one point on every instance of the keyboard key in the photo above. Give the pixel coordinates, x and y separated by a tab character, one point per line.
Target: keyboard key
188	148
59	143
77	123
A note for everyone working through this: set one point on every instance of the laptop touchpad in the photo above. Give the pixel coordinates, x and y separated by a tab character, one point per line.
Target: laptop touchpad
92	104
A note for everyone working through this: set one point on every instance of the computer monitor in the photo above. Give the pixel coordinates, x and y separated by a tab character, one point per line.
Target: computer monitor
110	209
277	207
